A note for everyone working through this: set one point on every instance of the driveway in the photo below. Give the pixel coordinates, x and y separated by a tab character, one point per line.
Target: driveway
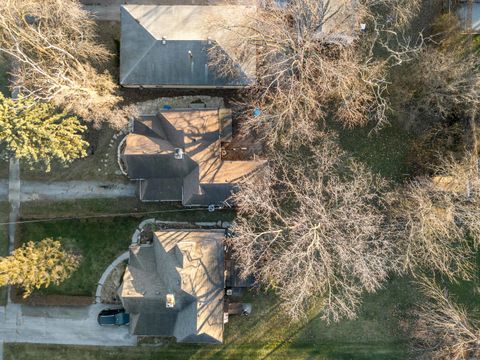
67	190
60	325
70	190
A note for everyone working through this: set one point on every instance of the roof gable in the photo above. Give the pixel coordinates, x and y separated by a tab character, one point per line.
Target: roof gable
172	46
188	264
139	41
202	176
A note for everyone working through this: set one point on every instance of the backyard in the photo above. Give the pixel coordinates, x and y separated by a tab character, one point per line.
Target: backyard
376	334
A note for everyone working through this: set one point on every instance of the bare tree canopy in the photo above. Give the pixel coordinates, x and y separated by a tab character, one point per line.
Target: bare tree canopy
443	77
311	229
437	221
312	62
52	45
445	330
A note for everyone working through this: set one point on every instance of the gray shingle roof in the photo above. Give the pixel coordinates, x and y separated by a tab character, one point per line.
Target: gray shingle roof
200	177
211	194
166	189
161	166
189	264
182	60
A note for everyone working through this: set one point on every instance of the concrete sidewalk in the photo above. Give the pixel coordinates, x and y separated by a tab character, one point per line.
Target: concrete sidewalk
109	10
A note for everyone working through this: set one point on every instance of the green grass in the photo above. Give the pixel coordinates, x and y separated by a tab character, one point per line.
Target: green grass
115	206
98	240
385	151
4	77
376	334
327	352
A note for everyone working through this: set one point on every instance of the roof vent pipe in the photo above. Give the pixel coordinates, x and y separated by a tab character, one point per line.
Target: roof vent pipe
178	154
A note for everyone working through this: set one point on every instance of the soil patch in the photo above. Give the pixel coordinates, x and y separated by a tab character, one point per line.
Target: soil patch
109	289
49	300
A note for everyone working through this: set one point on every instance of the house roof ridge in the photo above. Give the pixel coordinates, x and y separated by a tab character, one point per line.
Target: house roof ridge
154	42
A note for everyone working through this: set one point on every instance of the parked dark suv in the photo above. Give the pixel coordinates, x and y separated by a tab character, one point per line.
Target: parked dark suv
113	317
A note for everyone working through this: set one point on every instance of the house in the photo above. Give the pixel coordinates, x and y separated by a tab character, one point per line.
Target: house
168	46
176	156
174	286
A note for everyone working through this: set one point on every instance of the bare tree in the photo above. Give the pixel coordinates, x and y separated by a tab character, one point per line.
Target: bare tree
443	77
444	329
437	221
311	61
311	229
52	45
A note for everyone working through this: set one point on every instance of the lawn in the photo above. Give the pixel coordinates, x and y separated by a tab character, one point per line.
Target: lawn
4	77
98	240
116	206
385	151
376	334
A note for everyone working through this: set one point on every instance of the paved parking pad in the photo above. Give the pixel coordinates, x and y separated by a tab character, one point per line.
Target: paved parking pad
60	325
